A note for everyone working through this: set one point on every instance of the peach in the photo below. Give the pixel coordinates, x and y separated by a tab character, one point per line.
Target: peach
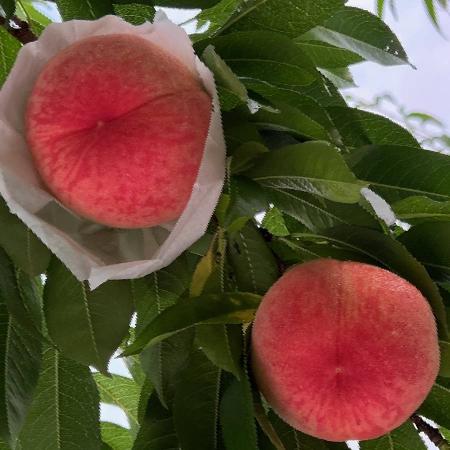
117	128
344	350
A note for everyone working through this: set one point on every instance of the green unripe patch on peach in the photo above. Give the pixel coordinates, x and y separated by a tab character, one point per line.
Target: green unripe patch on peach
117	129
344	350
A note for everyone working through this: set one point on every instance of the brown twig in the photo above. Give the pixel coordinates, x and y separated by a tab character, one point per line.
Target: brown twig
433	433
18	28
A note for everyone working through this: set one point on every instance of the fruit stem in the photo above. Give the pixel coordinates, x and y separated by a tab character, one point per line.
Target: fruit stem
23	31
433	433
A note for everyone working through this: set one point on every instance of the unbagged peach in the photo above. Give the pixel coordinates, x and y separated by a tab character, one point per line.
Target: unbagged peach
117	129
344	350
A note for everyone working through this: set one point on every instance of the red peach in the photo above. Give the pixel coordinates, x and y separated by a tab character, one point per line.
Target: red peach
117	128
344	350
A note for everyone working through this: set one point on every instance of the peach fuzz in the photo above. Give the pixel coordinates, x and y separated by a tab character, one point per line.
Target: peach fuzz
344	350
117	127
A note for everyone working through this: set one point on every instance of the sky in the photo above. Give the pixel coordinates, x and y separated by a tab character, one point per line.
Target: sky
425	89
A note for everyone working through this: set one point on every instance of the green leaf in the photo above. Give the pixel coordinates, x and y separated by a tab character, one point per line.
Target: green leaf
358	128
395	257
20	293
84	9
425	119
222	344
153	294
203	271
404	437
230	308
87	326
252	261
185	4
19	371
317	213
117	437
429	4
417	209
327	56
266	56
295	440
425	242
196	405
217	15
437	404
65	409
223	75
157	430
37	20
396	172
380	8
361	32
291	120
274	222
237	416
445	359
341	77
120	391
9	6
159	290
22	246
314	167
246	155
286	18
135	13
247	199
162	363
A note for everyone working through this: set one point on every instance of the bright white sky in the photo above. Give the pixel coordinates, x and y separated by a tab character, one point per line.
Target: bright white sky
425	89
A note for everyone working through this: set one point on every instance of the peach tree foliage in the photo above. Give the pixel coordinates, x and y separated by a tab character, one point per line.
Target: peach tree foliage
300	160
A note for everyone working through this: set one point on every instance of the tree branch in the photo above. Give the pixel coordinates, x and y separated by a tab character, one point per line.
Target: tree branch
433	433
18	28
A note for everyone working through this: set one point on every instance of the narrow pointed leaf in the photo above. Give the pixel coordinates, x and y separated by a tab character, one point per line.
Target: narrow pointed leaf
403	437
157	431
359	128
87	326
235	308
252	261
21	245
84	9
317	213
445	359
117	437
8	6
222	344
314	167
416	209
153	294
425	242
361	32
237	416
135	13
19	371
120	391
65	409
326	55
397	172
163	361
437	405
20	293
196	406
287	19
9	47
